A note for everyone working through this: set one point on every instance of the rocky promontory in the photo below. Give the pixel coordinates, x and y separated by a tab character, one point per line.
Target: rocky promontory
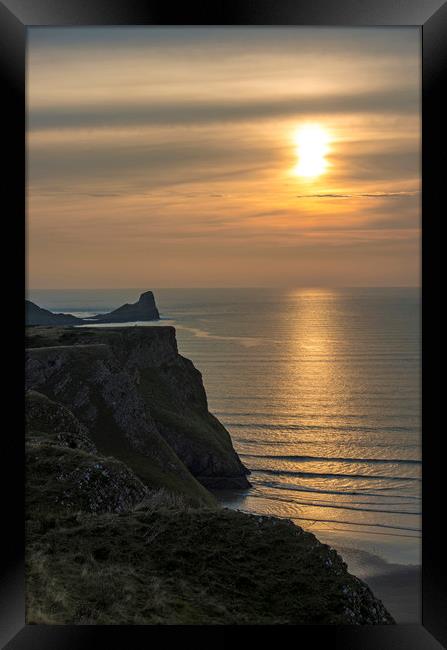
144	309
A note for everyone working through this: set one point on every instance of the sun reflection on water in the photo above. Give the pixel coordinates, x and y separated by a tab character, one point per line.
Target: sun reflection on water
316	468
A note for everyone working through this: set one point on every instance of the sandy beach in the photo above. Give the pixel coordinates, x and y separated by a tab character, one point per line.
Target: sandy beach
397	585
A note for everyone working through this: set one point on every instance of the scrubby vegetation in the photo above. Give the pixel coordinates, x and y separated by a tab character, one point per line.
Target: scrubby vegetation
177	565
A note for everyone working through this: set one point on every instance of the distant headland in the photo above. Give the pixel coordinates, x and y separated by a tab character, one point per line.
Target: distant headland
144	309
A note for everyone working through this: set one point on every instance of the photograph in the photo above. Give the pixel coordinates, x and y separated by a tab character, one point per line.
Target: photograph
223	325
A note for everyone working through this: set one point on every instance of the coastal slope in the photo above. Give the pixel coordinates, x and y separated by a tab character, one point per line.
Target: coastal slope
103	549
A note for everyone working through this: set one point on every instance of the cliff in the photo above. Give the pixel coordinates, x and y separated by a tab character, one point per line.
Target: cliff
144	309
112	542
35	315
142	402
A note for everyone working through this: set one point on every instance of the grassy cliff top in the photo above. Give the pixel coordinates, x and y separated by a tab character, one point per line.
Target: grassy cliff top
173	565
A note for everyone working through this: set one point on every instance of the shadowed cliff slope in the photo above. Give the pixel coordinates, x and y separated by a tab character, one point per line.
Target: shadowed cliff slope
138	397
65	472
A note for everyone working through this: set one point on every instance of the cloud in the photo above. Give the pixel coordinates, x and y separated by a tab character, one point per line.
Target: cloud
367	195
188	112
169	153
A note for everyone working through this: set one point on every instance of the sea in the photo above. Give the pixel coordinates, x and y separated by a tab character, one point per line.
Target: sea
320	390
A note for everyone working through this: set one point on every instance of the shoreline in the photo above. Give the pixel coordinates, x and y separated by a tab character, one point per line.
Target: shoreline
397	585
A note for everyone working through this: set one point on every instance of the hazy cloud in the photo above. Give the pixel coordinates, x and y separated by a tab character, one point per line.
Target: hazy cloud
368	195
159	156
203	112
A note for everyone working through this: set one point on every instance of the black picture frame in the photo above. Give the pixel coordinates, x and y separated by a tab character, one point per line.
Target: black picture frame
15	17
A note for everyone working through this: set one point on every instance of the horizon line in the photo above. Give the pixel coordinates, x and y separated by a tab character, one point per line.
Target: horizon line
177	288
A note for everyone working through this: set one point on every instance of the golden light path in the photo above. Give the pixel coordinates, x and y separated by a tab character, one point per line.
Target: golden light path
312	142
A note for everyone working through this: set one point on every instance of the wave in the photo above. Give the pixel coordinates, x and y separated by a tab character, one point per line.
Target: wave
355	530
316	427
354	523
367	532
351	523
396	461
266	441
300	488
310	416
278	472
326	504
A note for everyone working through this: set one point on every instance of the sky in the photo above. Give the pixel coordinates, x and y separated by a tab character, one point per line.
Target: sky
223	157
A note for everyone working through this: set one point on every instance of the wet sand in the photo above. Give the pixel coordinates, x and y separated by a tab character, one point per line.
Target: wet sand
399	591
397	585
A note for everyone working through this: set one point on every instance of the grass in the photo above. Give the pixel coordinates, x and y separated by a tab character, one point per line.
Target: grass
172	565
60	479
155	478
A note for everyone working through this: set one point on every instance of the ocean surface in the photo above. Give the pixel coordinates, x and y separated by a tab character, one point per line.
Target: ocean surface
320	390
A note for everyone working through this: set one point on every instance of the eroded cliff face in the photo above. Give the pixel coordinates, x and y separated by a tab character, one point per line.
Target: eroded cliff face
139	398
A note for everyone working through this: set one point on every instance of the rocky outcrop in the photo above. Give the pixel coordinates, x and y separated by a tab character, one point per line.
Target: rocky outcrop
52	423
144	309
81	481
131	383
64	471
35	315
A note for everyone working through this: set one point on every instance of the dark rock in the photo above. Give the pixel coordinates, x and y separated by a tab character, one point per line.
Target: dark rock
35	315
144	309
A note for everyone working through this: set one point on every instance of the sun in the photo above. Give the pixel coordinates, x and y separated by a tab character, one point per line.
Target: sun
312	142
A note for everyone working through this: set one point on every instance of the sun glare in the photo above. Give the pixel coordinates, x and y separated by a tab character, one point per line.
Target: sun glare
312	142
